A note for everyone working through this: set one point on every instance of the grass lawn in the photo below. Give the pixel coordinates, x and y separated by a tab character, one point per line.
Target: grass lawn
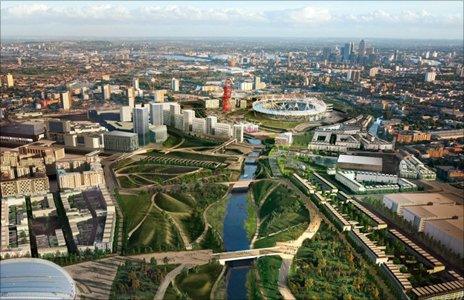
171	204
156	234
260	189
198	281
287	235
134	207
252	286
303	139
268	268
172	141
282	210
277	124
250	223
126	182
216	214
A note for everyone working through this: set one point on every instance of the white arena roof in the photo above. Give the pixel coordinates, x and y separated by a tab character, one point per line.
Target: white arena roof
34	278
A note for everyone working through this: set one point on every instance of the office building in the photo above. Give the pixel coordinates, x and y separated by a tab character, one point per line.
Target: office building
238	132
210	124
156	113
121	141
141	120
9	80
175	85
106	92
66	100
188	116
125	114
131	97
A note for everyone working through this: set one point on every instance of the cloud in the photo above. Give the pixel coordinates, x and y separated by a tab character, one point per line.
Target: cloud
188	16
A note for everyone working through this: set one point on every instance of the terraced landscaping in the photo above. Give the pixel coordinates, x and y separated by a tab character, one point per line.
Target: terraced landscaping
197	282
282	215
186	210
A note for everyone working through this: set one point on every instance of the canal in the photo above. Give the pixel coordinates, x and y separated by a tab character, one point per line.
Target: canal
235	236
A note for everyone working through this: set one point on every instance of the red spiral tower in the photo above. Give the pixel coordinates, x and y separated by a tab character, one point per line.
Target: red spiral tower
227	95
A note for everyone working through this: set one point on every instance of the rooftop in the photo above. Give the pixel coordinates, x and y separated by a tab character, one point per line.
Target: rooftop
121	133
420	198
437	211
361	160
33	278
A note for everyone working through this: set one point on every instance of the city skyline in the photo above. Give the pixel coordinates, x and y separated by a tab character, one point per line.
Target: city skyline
109	19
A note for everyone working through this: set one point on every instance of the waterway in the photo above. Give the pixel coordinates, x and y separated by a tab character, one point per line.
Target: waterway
235	236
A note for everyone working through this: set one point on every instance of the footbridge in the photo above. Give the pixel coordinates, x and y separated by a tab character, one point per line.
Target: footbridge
242	184
245	254
223	145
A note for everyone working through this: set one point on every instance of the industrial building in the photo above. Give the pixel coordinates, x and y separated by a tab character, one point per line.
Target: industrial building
396	202
361	163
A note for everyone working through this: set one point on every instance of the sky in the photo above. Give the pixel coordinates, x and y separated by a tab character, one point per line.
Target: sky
305	19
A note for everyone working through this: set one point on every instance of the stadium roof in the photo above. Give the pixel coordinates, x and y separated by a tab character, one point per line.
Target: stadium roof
33	278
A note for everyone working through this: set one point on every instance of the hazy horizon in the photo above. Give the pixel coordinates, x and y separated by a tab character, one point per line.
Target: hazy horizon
419	20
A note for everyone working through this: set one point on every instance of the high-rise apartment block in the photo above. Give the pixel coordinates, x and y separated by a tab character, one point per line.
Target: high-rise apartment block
106	92
188	115
175	85
238	132
66	100
131	97
210	124
141	120
135	83
9	80
156	113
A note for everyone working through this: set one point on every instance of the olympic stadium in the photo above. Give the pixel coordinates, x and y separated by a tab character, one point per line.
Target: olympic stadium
306	109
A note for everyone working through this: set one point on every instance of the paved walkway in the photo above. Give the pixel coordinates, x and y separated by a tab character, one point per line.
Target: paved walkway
167	281
95	278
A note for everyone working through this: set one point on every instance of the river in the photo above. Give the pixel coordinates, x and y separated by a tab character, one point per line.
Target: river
235	236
